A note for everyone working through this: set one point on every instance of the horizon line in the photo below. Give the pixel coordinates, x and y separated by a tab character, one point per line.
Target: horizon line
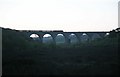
57	30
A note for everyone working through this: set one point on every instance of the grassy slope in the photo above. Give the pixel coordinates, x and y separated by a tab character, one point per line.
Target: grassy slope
22	56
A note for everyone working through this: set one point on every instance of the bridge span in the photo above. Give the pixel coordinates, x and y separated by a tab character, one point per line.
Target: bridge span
91	35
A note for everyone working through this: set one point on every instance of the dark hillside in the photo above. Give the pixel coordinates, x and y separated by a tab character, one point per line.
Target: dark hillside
22	56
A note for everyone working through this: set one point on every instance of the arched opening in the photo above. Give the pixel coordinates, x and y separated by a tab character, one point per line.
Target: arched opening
47	39
35	37
73	38
107	34
60	39
84	37
95	36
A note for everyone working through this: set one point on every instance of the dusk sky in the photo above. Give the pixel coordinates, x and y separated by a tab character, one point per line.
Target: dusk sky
66	15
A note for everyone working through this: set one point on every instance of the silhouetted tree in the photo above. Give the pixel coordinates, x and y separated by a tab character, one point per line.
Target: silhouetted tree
112	34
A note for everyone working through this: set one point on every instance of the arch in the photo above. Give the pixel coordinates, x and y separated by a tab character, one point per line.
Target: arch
84	37
60	39
47	39
95	36
73	38
107	34
34	37
84	34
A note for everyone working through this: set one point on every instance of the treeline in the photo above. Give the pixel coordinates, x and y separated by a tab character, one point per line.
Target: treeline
16	38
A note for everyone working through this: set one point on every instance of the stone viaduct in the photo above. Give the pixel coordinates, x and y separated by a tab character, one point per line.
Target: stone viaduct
91	35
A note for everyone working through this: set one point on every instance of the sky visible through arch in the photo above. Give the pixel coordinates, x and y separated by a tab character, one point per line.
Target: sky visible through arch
66	15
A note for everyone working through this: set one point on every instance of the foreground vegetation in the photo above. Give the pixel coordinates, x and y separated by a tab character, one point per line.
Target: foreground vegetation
23	56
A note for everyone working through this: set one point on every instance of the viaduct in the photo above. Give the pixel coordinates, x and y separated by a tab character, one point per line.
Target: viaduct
91	35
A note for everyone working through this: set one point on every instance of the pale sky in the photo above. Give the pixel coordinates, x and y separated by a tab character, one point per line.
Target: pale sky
66	15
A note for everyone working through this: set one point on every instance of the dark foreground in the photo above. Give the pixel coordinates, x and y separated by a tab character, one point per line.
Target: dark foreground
24	57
